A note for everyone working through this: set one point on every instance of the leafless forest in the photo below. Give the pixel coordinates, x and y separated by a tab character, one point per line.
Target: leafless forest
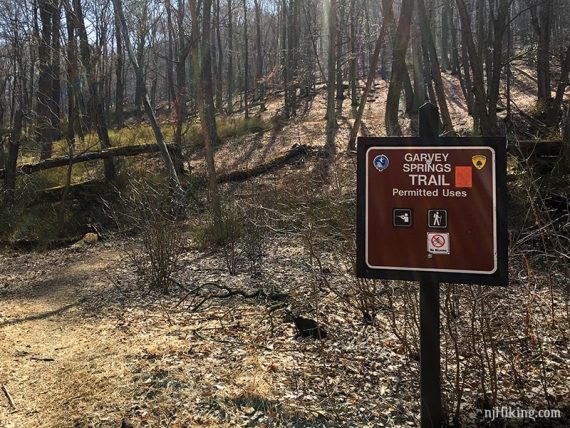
178	211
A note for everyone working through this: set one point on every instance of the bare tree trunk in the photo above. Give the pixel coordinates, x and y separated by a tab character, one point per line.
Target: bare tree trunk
139	83
419	78
246	60
367	52
182	48
56	72
467	74
435	70
45	80
307	80
240	81
289	39
259	64
542	24
353	57
107	73
401	40
499	27
478	84
445	12
181	90
119	73
455	67
339	43
148	108
170	60
315	49
508	71
426	66
566	137
409	93
205	101
92	79
331	113
153	61
554	113
220	60
284	58
480	22
294	56
73	86
140	77
12	159
370	79
230	94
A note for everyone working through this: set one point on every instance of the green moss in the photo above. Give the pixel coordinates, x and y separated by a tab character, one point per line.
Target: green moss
30	221
42	223
139	134
241	127
227	128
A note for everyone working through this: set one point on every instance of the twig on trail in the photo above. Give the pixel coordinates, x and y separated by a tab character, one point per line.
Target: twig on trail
165	311
77	397
196	307
228	293
276	307
195	291
258	293
35	357
9	397
229	342
40	358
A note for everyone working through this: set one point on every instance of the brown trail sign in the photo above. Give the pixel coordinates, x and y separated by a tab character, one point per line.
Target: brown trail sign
433	210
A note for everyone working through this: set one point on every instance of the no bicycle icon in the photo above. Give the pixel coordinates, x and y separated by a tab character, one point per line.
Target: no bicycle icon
438	243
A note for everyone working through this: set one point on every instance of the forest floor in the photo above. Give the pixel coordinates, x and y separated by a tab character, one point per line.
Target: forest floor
84	344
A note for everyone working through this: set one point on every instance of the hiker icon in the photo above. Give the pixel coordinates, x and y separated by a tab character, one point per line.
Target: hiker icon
437	219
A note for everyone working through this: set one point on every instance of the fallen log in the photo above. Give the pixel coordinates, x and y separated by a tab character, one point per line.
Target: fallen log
295	152
85	190
541	155
235	176
540	148
87	156
82	191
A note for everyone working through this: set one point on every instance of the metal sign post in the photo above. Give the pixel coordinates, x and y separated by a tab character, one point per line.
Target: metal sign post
430	371
432	209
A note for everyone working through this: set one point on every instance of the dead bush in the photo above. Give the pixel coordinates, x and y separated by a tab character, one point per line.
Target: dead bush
144	212
232	221
244	229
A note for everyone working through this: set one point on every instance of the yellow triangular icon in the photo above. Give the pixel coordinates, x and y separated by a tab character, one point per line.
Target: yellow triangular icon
479	161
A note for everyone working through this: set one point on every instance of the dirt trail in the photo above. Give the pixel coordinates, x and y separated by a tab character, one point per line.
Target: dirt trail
52	360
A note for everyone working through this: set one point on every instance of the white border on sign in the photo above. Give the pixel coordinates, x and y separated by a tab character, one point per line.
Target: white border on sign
440	148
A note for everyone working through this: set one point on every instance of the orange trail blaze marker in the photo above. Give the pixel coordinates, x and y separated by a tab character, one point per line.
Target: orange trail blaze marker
463	176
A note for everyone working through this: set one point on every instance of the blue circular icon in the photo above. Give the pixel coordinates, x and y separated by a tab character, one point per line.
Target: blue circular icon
381	162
